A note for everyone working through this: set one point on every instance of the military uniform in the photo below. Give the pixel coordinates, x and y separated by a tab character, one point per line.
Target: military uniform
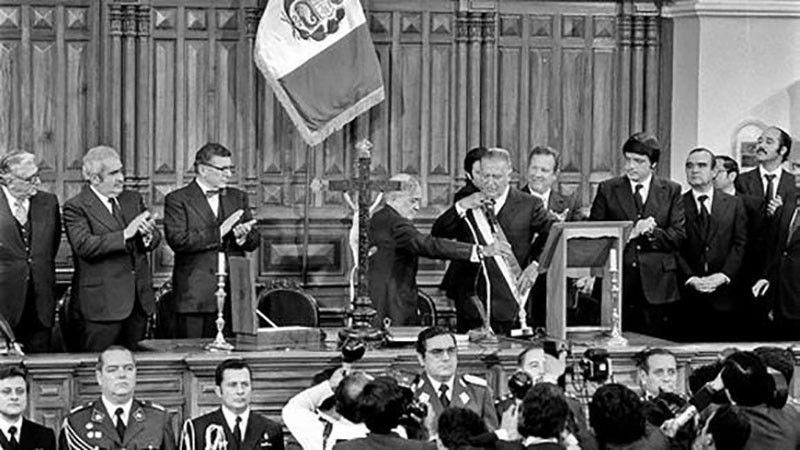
90	427
211	432
469	392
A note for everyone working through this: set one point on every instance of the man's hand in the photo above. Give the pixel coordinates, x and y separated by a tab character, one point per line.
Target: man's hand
585	285
774	204
642	227
562	216
509	422
498	248
138	224
241	230
472	201
528	277
760	288
148	225
336	377
554	367
708	283
228	224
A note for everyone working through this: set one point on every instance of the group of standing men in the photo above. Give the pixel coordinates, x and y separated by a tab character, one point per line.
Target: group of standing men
111	233
715	262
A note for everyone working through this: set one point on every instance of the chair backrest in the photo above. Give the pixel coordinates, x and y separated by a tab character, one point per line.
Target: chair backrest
67	334
163	323
286	303
426	310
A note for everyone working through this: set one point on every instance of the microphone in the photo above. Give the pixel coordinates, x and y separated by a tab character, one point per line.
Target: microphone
488	209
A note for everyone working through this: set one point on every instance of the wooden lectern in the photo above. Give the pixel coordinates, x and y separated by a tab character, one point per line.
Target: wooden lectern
579	249
245	320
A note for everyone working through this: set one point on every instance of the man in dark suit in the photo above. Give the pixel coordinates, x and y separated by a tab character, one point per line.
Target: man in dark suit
382	403
202	220
117	419
461	276
110	232
654	205
30	233
441	387
711	254
780	283
514	217
234	424
17	432
396	245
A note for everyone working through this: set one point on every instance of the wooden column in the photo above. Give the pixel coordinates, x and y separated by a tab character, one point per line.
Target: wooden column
462	84
652	78
114	86
489	111
622	124
143	101
127	148
474	30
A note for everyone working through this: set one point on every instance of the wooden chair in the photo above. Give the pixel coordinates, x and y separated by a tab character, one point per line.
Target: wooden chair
67	330
163	323
286	303
426	309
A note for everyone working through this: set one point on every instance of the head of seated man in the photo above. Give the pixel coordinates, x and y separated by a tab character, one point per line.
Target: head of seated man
616	416
543	169
13	393
458	427
657	371
540	365
746	380
406	200
543	413
381	404
346	396
116	375
437	353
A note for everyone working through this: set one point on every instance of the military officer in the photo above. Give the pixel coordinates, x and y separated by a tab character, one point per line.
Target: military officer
441	387
117	420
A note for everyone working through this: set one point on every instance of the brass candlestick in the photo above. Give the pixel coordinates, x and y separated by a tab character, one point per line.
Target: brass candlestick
219	344
616	339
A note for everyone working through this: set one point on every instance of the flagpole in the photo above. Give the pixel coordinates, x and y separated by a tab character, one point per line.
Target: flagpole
306	221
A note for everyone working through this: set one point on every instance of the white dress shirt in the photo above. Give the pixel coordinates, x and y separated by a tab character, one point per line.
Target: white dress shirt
213	201
645	191
230	419
112	410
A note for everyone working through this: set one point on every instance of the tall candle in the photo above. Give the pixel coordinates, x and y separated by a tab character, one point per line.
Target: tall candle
612	258
221	262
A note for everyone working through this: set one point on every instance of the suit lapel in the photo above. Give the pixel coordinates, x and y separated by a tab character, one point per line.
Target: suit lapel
8	225
102	420
200	203
656	197
754	182
625	197
719	211
96	208
785	185
4	442
136	420
227	204
692	215
461	396
38	219
28	439
253	433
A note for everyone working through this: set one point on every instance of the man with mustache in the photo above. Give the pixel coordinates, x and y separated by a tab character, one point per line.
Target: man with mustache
30	233
110	232
117	419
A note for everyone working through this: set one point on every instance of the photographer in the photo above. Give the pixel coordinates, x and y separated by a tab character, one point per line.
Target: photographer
315	430
617	418
543	418
382	403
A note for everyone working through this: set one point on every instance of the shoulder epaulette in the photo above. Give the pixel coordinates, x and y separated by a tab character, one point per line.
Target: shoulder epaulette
80	407
150	404
472	379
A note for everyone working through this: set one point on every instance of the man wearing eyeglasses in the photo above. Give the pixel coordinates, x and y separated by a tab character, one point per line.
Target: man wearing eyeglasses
110	232
201	220
30	232
440	387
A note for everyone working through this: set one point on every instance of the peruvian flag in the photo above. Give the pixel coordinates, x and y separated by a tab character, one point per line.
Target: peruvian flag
318	57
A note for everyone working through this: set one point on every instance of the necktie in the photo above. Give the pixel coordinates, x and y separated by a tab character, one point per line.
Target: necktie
20	213
443	395
12	432
770	188
237	431
120	423
211	193
703	211
637	198
115	211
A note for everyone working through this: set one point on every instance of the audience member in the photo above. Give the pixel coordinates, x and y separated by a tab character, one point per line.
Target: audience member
460	279
459	428
657	372
234	422
440	386
315	430
381	405
543	417
618	421
17	432
201	220
117	419
30	230
111	232
649	282
780	365
711	255
398	245
727	428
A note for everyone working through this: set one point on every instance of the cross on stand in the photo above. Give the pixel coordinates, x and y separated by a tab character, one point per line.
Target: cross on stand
361	311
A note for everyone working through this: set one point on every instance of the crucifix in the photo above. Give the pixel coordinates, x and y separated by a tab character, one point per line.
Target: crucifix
361	311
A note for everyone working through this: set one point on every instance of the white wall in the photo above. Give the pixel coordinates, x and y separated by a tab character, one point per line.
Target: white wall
734	62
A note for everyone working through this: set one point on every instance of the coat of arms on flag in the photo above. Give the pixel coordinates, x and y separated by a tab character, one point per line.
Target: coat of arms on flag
318	58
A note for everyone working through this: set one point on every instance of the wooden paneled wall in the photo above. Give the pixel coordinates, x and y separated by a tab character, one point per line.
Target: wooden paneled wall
158	78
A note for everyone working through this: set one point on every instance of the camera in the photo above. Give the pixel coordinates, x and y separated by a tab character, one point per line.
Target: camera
519	384
595	365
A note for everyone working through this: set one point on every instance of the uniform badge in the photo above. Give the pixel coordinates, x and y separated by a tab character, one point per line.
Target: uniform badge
89	425
138	415
464	397
424	397
97	416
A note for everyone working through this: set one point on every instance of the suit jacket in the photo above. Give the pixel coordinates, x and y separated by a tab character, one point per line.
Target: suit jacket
32	436
468	392
44	220
783	264
91	426
558	203
526	224
110	273
192	232
261	433
393	266
654	257
718	248
772	428
384	442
